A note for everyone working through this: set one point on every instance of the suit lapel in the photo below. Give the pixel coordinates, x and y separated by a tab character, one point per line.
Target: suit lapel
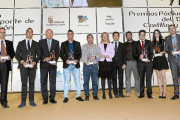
170	42
73	45
32	45
146	42
67	46
178	41
52	45
139	43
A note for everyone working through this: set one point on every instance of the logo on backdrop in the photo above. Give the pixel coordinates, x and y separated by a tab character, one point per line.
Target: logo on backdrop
82	18
53	22
109	20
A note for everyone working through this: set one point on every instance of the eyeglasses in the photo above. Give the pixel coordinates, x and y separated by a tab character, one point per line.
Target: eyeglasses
2	32
172	29
142	34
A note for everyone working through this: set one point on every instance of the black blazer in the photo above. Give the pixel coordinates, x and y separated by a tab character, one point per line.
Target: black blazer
22	52
138	49
46	53
64	53
10	52
121	56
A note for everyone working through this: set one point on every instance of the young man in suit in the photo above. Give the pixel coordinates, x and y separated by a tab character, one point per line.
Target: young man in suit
71	54
172	45
6	55
28	48
145	66
48	47
119	64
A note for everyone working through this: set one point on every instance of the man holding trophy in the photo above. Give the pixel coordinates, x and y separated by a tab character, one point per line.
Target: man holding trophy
6	54
90	57
143	51
28	54
172	45
71	54
50	54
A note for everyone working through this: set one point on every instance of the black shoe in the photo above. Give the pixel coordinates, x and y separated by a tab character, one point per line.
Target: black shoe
22	105
65	100
95	98
79	99
53	101
116	96
175	97
45	102
150	96
32	103
5	105
104	97
122	96
110	96
164	97
141	96
86	98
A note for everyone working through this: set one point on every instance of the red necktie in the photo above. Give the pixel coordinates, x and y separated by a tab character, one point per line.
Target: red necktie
142	45
3	49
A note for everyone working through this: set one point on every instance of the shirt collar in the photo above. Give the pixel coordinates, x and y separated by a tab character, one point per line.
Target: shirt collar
2	40
29	40
142	40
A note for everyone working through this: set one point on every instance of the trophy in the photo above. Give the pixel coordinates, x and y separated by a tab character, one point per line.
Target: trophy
29	60
176	49
71	57
89	58
145	58
53	57
157	51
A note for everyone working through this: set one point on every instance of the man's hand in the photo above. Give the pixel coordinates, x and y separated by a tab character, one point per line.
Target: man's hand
33	63
124	66
101	55
172	52
24	64
67	61
87	63
92	58
76	61
107	56
141	56
47	59
8	57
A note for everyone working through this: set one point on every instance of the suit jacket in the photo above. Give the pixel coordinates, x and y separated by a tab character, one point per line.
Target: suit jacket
64	53
138	49
22	52
46	53
120	55
169	46
10	52
109	51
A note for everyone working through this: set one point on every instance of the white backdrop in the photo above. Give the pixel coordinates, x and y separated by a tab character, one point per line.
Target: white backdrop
17	15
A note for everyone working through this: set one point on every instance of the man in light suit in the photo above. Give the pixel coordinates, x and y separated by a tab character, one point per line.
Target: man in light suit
172	45
6	50
28	47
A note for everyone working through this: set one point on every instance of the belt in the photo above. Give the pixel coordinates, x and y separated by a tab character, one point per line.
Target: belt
90	65
2	62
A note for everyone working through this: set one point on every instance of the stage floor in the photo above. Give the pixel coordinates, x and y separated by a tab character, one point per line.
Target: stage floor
129	108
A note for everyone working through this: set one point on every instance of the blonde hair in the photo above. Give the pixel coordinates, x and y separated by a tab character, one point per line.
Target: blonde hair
102	37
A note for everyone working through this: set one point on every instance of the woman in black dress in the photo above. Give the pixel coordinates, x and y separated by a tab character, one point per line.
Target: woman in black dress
160	63
105	62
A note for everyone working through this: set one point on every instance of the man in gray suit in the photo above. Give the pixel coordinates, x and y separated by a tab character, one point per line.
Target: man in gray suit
172	45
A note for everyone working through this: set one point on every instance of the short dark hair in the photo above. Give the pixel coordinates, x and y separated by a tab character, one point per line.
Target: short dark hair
115	33
142	31
89	35
171	25
2	29
70	31
29	29
128	32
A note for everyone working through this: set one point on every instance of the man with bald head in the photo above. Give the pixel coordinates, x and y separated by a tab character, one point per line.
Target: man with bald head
48	47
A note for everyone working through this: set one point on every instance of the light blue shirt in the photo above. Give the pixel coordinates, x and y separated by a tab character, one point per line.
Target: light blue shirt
4	44
115	43
174	42
50	41
52	3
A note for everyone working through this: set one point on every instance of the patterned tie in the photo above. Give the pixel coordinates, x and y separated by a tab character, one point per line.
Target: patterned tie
49	45
142	45
3	49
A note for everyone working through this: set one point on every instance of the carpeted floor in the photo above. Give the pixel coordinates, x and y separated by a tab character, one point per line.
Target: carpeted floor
129	108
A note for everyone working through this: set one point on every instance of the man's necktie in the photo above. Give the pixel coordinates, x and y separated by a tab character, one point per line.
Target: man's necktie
49	45
116	46
3	49
29	45
142	45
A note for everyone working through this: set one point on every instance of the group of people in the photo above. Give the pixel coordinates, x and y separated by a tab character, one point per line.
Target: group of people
106	60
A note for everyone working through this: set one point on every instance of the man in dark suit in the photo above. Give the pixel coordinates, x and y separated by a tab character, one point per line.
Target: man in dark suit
172	45
28	48
119	64
6	55
71	52
48	46
145	66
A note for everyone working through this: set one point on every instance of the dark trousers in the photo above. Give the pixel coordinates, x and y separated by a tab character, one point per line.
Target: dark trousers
103	80
117	71
145	69
52	80
25	74
4	75
90	71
